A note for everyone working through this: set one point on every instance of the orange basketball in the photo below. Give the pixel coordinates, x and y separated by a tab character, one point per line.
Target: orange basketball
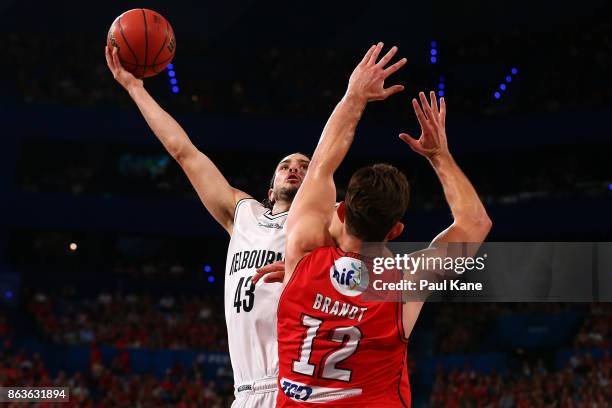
145	41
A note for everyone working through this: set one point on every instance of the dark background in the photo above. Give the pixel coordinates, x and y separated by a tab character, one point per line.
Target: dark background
257	80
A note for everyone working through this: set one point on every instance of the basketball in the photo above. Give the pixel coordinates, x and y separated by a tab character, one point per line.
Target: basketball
145	42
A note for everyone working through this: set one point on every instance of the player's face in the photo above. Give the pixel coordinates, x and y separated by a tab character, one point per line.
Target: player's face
289	176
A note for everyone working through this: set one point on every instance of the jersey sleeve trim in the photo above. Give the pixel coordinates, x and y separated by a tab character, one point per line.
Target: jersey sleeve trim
399	382
400	321
238	205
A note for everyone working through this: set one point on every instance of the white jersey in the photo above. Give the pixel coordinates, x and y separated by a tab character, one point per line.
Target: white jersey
258	239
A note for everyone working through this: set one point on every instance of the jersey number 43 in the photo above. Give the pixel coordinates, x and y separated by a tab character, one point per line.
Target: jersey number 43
245	295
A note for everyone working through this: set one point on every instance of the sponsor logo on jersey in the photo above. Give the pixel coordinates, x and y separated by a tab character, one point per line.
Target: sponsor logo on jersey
269	225
253	259
298	391
246	387
349	276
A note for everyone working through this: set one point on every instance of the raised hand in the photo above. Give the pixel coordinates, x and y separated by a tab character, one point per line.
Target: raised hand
367	81
432	141
125	78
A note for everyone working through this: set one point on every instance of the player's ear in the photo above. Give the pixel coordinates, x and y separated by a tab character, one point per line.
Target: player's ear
395	232
341	211
271	196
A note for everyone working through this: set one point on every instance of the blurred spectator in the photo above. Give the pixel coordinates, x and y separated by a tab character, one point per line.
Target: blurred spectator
132	321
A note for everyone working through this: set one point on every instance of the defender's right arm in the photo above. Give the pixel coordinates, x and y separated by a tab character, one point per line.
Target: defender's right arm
471	223
217	195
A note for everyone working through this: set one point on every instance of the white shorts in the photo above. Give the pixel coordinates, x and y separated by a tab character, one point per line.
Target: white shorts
258	394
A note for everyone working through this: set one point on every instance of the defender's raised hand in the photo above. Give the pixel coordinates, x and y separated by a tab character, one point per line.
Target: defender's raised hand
432	141
367	81
125	78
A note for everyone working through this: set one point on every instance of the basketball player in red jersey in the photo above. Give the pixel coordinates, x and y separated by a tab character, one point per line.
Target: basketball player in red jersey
335	347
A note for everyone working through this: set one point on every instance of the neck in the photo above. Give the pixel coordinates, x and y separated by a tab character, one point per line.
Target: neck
280	206
350	243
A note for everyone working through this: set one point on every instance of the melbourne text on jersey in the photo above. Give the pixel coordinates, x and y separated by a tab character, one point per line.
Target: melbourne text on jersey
253	259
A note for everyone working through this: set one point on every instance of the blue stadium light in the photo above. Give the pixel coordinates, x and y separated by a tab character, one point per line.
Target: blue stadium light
434	44
441	85
211	279
508	79
434	51
8	294
502	87
610	186
173	81
514	71
497	95
207	269
434	60
440	93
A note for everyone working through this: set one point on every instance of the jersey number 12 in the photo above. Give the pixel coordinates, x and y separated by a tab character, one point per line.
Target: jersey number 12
347	337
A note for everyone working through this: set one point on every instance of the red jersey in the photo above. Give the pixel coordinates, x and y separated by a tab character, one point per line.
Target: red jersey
334	346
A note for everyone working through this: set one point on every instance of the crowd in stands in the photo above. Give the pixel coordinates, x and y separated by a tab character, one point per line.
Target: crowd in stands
189	322
196	322
479	319
131	321
596	331
570	171
274	80
585	382
113	385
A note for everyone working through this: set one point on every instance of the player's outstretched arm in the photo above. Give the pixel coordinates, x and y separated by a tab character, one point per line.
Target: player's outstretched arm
310	216
218	196
471	224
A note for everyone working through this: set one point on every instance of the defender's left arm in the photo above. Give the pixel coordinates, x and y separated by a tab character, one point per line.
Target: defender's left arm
309	218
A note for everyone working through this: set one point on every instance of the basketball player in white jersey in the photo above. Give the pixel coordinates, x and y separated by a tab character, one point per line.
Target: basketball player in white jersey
257	239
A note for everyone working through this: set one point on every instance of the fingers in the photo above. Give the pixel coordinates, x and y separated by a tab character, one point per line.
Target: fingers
109	59
367	55
393	90
116	60
412	142
420	115
375	52
274	277
272	269
426	107
387	57
443	112
393	68
434	104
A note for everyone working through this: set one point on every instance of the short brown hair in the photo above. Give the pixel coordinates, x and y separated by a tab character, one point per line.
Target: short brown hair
376	198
